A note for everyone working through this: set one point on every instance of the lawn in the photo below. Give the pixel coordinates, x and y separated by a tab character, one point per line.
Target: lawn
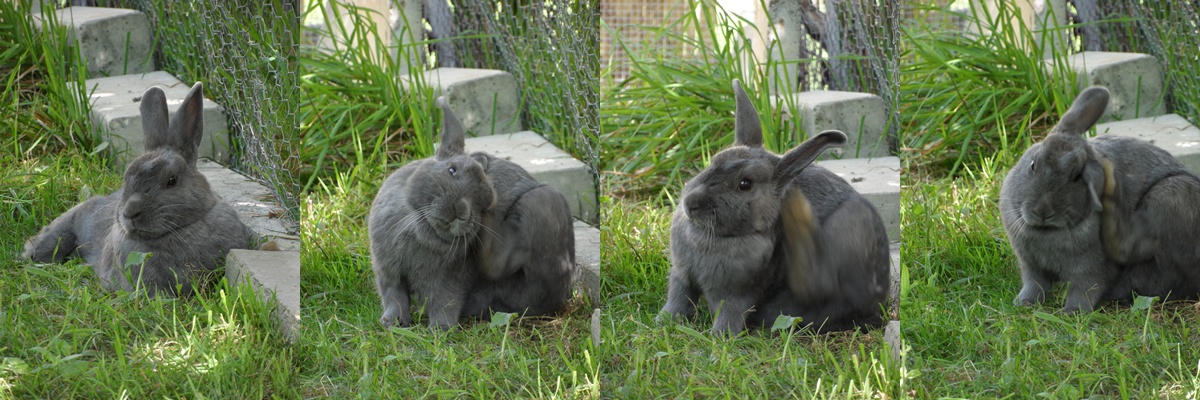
969	115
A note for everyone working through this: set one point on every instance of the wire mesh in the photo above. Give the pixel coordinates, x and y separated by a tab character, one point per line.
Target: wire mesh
245	53
551	48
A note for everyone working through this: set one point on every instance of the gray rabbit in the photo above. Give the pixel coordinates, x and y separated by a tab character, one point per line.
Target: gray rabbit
1110	216
467	234
165	208
759	235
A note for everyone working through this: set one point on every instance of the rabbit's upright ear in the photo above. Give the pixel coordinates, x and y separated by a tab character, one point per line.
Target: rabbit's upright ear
747	129
186	128
154	117
1084	112
453	134
800	157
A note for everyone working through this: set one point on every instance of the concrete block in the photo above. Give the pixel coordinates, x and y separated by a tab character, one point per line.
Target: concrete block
894	274
547	164
891	335
272	274
487	101
1134	80
113	41
861	116
587	258
876	179
1170	132
255	204
116	112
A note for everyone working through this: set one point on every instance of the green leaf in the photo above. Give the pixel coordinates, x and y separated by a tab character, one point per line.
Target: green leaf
501	319
136	258
16	365
783	322
1142	303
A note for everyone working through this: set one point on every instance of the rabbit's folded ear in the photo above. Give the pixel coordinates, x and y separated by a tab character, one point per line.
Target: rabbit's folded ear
1093	175
154	116
453	135
1084	112
186	128
747	129
800	157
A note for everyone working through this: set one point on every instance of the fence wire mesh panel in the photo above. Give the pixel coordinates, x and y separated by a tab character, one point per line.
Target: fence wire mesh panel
627	20
1168	30
551	48
245	54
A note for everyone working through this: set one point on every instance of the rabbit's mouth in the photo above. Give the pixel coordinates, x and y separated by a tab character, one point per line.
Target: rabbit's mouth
135	231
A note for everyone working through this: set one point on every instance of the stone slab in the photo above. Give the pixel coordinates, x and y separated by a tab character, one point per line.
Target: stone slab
547	164
113	41
116	112
272	274
891	335
876	179
587	258
255	204
1134	80
861	116
487	101
894	290
1170	132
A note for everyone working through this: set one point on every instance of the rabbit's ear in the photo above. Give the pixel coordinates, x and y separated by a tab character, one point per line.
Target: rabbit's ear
187	127
154	117
453	135
747	129
798	158
1093	176
1084	112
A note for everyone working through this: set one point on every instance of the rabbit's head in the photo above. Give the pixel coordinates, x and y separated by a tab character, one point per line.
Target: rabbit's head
451	191
741	190
163	190
1058	182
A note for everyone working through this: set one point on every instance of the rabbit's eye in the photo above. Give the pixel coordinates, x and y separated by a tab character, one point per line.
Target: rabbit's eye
453	171
1031	166
745	185
171	181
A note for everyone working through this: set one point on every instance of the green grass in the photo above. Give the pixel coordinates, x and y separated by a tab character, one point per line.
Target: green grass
348	352
645	359
965	127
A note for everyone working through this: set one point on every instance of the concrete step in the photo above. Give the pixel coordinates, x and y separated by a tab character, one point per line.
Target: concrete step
547	164
894	290
878	180
861	116
1170	132
1135	81
255	204
487	101
116	112
587	257
273	275
113	41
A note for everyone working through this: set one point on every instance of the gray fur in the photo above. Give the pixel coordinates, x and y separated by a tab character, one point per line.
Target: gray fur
729	245
1137	237
165	208
511	251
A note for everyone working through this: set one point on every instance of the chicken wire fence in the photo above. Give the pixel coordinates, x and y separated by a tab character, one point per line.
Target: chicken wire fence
846	45
245	54
1167	30
552	49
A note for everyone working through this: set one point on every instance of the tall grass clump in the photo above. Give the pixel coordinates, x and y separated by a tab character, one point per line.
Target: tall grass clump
966	97
675	107
42	105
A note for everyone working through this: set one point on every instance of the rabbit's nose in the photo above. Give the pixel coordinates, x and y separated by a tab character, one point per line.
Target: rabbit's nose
462	209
